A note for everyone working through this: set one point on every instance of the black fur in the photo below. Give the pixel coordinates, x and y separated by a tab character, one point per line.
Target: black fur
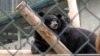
72	38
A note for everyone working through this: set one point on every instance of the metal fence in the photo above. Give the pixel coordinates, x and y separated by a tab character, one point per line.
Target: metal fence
15	32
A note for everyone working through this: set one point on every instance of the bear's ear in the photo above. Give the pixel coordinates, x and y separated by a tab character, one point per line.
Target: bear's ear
59	15
41	14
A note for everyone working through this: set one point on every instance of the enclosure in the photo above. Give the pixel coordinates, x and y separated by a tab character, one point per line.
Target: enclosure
17	35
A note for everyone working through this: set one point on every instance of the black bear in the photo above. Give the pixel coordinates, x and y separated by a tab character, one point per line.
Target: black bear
77	40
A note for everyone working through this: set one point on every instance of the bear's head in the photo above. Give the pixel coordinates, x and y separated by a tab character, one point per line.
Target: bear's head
55	22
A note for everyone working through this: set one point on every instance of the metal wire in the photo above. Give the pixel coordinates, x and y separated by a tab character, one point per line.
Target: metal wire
26	34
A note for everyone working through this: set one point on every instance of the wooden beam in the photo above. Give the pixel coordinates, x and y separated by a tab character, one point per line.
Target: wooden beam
98	42
19	53
73	13
12	52
41	28
28	53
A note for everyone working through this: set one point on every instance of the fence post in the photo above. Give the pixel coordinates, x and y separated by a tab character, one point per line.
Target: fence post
97	43
35	21
73	13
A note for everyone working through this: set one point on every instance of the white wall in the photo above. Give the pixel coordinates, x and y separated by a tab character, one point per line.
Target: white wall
89	21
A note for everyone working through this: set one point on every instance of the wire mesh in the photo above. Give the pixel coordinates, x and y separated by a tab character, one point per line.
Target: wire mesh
16	33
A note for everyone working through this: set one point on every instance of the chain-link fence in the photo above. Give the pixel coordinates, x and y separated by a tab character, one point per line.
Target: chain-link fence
16	33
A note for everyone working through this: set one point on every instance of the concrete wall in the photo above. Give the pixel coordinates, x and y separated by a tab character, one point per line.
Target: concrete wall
88	20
